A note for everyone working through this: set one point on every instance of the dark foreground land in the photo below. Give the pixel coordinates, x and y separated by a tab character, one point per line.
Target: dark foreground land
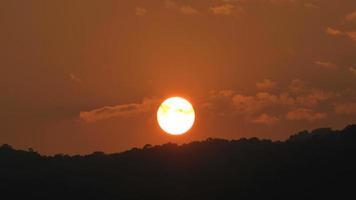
315	165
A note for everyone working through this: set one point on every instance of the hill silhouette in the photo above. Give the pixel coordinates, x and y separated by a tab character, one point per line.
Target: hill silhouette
308	165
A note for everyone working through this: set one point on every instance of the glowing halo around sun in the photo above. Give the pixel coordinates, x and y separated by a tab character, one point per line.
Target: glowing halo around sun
175	115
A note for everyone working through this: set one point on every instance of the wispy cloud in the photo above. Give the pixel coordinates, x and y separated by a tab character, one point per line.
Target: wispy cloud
351	17
333	31
352	70
139	11
297	86
310	5
305	114
266	84
326	65
351	35
253	104
298	101
188	10
265	119
224	9
121	110
74	78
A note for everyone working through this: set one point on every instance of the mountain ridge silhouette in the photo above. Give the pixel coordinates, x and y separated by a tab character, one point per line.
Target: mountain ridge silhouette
316	164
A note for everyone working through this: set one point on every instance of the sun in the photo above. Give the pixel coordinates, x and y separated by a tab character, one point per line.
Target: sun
175	115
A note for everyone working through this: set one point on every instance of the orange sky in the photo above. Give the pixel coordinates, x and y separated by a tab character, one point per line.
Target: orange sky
82	76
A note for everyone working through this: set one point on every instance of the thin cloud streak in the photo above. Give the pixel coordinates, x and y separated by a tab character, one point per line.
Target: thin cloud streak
266	84
266	119
225	9
306	114
327	65
121	110
188	10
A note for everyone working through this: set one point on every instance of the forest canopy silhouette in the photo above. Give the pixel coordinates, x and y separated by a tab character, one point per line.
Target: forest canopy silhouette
316	164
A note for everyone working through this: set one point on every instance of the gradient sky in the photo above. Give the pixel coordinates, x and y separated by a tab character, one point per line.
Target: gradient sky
83	76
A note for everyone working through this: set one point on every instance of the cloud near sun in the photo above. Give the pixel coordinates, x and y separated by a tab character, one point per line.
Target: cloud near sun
121	110
299	101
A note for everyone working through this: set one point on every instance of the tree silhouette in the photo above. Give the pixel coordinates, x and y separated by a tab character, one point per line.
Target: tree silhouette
309	165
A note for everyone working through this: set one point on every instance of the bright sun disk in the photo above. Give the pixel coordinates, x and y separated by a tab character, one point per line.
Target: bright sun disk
175	115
